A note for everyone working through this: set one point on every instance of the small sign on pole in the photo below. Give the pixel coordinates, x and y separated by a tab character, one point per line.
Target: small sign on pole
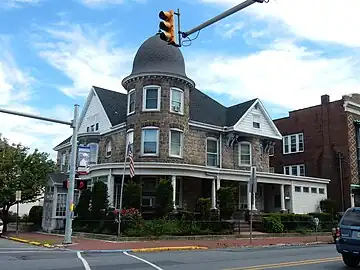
18	199
316	221
18	195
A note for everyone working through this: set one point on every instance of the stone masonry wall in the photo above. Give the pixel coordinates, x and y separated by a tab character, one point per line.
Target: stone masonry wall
164	119
118	140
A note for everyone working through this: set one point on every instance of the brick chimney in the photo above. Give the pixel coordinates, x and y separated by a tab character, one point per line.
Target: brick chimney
325	99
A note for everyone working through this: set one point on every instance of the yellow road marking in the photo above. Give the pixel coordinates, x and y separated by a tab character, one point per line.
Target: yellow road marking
285	264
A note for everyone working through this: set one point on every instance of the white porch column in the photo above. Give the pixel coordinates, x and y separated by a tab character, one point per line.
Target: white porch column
282	196
218	185
239	196
110	187
173	182
249	199
213	194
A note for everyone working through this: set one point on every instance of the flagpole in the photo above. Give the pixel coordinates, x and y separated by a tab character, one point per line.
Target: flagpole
121	192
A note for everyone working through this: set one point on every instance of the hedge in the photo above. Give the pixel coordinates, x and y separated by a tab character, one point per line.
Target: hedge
279	223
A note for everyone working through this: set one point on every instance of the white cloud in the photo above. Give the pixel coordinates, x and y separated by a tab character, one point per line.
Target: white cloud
101	3
86	56
228	30
18	3
282	74
15	94
321	20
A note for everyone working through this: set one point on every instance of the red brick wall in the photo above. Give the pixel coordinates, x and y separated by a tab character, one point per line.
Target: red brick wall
325	131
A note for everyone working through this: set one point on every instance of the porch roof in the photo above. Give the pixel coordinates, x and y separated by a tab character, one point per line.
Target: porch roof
178	169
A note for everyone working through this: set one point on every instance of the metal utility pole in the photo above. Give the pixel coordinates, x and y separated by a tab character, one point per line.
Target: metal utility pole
223	15
70	196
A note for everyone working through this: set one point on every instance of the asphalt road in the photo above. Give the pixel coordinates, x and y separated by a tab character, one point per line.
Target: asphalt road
17	256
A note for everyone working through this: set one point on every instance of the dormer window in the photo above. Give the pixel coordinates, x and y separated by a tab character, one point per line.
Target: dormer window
256	121
131	102
176	100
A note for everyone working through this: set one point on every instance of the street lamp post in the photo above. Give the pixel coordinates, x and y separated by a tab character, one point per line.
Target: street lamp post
70	196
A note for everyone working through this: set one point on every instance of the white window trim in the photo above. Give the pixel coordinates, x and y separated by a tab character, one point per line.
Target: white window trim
158	98
56	203
297	169
181	142
243	143
97	152
253	121
299	188
182	100
131	92
217	152
297	143
131	130
157	139
106	150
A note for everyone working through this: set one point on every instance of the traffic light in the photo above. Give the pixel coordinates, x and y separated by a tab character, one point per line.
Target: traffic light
167	26
81	184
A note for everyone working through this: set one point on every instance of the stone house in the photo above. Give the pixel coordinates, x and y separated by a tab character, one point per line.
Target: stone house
177	131
323	141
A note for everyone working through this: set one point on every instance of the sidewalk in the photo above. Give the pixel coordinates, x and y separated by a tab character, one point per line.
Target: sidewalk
50	240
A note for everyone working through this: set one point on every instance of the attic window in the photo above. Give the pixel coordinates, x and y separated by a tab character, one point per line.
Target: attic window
256	121
97	126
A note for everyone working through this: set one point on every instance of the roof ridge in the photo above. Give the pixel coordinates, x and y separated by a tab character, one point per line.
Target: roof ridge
105	89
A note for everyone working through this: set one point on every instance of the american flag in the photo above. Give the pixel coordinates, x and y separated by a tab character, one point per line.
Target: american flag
131	162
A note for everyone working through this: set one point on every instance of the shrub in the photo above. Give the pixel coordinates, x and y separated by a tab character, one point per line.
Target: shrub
82	209
35	215
99	203
326	221
203	206
226	197
272	224
164	202
132	195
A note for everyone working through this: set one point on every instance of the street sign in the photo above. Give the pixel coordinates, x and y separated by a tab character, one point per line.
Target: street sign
18	195
316	221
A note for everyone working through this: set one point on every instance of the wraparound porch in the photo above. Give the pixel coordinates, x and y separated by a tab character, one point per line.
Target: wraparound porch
276	192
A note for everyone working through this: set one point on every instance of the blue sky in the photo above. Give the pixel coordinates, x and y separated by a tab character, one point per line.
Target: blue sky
283	52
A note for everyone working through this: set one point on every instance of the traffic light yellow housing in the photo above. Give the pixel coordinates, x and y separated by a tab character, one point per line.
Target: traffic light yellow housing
167	26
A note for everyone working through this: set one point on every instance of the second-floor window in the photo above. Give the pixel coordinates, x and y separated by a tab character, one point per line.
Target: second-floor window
176	100
151	98
131	102
94	149
108	149
176	143
297	170
293	143
150	141
212	152
130	140
245	153
63	161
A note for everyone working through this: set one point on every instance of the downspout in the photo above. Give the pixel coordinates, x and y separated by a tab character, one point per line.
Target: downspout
220	151
341	181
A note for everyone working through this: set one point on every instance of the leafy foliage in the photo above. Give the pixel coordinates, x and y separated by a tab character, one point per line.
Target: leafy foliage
164	203
35	214
226	196
82	209
132	195
21	170
100	202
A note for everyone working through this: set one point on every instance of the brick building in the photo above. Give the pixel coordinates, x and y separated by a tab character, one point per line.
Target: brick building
177	131
323	141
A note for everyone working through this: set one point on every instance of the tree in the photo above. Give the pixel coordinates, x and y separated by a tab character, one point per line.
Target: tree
82	209
21	170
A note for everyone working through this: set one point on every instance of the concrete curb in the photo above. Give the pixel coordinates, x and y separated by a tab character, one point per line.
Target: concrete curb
25	241
153	249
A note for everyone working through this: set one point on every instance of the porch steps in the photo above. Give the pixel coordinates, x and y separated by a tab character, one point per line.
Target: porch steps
241	226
